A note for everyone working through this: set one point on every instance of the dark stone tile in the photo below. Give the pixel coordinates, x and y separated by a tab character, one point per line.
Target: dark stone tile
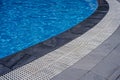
94	20
50	43
96	17
14	59
67	35
3	69
104	7
26	59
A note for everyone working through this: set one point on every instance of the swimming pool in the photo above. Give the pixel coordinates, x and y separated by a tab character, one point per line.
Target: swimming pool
24	23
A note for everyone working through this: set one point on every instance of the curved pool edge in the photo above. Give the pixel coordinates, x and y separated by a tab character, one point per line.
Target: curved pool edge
29	55
51	25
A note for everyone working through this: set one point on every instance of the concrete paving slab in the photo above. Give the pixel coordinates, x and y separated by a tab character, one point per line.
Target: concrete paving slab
70	74
114	57
105	69
92	76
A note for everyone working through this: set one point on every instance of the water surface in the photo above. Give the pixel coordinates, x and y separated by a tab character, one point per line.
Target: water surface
24	23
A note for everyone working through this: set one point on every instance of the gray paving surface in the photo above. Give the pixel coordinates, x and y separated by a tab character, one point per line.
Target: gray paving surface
107	69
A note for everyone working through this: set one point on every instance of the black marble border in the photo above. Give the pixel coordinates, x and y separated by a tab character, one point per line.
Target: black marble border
19	59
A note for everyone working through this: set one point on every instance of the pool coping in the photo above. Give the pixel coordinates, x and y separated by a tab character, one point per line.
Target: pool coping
53	63
28	55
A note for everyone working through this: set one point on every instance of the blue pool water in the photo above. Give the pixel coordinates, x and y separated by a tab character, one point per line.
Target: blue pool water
24	23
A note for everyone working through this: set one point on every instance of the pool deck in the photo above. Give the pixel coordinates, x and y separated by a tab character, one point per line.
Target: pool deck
92	56
103	63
